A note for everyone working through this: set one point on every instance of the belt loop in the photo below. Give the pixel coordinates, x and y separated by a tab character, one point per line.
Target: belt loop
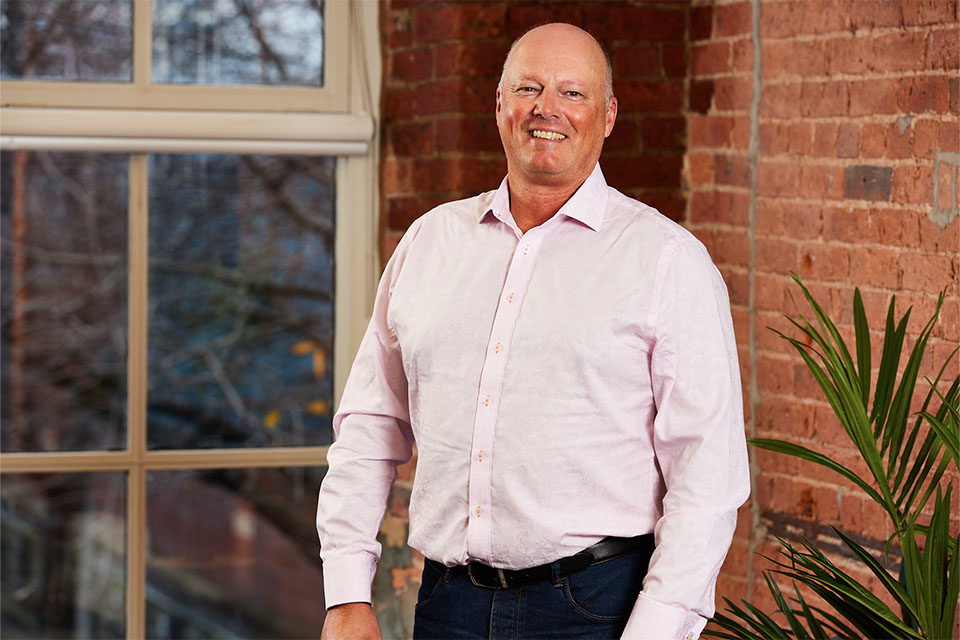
555	573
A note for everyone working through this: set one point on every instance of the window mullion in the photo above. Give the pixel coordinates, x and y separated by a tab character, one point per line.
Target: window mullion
137	269
142	42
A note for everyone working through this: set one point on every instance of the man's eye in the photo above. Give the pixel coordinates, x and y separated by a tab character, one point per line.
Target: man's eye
522	89
574	94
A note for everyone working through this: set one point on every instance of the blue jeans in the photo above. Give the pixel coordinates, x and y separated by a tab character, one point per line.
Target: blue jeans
592	603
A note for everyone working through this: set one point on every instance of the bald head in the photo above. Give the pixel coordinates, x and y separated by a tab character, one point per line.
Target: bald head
559	33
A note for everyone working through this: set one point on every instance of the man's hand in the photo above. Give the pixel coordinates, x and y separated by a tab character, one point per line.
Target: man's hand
351	621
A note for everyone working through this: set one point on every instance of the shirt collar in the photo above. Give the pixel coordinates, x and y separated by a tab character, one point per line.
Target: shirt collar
586	205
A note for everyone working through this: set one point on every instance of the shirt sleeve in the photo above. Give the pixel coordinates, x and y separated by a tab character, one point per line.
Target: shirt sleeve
698	441
373	436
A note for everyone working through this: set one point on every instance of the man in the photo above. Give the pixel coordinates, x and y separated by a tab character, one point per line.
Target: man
564	359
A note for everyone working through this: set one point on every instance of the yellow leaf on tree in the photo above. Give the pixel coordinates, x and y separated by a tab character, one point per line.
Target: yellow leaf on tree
318	408
302	348
272	419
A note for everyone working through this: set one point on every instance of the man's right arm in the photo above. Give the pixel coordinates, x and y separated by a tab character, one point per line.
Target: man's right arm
373	437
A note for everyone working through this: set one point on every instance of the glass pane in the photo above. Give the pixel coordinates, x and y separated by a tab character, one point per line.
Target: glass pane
63	310
62	555
69	40
233	553
252	42
241	291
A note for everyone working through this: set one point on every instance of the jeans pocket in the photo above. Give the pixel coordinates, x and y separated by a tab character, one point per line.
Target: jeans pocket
430	582
607	591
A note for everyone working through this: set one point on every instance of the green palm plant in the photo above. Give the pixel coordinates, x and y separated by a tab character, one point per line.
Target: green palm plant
908	454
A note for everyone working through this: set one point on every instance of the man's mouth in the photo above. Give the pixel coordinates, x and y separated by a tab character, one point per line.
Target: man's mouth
547	135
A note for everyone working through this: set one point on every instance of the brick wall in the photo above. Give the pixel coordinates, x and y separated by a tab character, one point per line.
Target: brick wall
844	170
848	179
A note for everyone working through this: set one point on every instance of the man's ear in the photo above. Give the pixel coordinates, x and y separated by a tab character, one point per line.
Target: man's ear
610	117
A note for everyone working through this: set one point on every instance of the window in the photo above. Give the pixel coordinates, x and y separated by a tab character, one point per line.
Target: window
187	263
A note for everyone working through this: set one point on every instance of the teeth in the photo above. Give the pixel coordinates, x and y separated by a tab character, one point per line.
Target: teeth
547	135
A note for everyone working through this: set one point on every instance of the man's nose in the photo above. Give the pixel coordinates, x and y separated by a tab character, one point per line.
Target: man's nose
546	105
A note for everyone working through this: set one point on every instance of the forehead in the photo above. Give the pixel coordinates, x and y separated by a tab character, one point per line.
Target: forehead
561	54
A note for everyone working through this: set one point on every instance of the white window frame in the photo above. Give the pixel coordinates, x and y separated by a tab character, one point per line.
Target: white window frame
338	119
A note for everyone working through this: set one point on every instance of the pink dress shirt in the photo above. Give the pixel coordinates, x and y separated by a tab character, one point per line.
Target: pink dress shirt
576	381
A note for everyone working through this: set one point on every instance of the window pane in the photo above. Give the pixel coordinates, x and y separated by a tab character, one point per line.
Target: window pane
67	40
63	222
241	291
233	553
62	557
244	42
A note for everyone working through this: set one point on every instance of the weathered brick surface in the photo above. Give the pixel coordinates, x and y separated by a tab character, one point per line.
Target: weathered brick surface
853	183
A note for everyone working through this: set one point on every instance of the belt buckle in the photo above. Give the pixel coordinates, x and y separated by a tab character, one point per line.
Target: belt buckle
500	575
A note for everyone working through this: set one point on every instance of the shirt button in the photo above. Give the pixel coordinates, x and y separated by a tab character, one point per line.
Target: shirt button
486	400
526	249
510	297
689	635
480	456
497	347
477	512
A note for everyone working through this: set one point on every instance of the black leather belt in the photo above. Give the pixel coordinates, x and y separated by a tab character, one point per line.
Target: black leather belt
485	576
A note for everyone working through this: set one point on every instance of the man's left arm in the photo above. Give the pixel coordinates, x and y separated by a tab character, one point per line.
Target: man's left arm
698	441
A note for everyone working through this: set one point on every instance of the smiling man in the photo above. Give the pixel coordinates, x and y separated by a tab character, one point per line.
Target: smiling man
564	359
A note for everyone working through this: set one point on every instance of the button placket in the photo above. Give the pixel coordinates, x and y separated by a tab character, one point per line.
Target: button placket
518	275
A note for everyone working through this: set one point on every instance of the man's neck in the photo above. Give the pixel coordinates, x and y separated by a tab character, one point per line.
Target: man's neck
533	204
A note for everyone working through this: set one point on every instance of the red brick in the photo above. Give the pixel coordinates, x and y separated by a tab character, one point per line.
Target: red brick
867	182
742	55
900	51
650	97
710	131
410	139
899	139
925	272
461	21
710	58
787	219
636	59
912	185
782	417
846	55
825	135
522	16
777	377
452	96
674	60
635	23
657	171
873	97
778	179
925	138
465	175
873	140
824	263
402	211
398	30
471	59
819	99
397	104
701	96
732	170
732	94
822	182
623	137
779	19
777	256
801	138
848	140
775	56
468	134
701	21
412	65
892	227
945	187
782	101
949	136
773	139
924	93
874	267
663	133
920	12
943	49
740	136
870	14
732	19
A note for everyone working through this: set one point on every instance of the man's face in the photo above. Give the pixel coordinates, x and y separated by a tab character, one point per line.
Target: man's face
551	108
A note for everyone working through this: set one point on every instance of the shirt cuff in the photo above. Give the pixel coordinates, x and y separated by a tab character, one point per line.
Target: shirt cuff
348	579
654	620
